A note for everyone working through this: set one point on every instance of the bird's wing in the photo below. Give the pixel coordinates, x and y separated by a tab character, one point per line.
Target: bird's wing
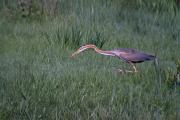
132	55
137	57
123	53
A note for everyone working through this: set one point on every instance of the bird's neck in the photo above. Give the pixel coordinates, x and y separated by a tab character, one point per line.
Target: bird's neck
103	52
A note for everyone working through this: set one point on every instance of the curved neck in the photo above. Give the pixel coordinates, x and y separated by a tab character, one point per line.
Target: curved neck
108	53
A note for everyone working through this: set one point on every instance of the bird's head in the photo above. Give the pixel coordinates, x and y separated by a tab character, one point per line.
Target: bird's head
82	48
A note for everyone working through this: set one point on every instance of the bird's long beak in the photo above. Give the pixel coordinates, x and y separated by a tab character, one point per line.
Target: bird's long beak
75	53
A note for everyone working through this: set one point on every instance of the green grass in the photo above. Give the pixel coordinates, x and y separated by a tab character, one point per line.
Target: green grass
38	79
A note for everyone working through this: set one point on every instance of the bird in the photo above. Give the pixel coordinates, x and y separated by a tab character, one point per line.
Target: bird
129	55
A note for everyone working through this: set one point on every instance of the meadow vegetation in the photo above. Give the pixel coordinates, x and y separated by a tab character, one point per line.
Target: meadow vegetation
38	79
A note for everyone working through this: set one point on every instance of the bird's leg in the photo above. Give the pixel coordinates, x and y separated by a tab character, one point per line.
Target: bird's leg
134	67
128	71
121	71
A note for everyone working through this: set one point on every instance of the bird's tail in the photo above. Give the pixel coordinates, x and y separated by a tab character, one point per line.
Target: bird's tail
152	57
149	57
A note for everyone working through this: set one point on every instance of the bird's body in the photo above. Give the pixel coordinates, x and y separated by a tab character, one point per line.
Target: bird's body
130	56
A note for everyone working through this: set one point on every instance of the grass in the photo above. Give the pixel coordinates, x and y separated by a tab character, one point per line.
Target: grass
40	81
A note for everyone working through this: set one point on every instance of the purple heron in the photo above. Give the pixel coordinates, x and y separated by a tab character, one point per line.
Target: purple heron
130	56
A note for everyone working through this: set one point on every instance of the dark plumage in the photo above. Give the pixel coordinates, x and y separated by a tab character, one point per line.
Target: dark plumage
132	55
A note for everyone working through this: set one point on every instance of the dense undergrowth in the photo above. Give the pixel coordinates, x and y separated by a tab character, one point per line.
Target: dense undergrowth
38	79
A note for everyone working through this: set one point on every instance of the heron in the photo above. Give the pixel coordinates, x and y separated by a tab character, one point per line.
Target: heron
130	56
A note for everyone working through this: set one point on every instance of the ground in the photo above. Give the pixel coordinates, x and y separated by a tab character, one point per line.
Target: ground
39	80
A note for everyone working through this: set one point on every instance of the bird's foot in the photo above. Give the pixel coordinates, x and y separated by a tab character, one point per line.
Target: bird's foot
125	71
120	71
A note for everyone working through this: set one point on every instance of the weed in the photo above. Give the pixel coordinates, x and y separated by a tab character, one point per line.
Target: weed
38	80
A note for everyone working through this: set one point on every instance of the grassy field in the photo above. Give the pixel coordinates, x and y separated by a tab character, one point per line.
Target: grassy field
38	79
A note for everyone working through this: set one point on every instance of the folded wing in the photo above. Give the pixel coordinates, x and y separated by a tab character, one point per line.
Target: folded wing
134	56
